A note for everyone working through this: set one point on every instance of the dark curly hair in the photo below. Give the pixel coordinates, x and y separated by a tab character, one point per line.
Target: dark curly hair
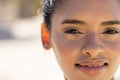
49	7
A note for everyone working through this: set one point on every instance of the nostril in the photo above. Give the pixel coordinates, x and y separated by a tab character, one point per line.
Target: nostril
87	53
92	49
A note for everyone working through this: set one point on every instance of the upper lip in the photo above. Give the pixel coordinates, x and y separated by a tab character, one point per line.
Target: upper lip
93	63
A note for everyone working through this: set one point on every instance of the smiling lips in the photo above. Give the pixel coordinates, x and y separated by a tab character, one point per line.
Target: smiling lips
92	67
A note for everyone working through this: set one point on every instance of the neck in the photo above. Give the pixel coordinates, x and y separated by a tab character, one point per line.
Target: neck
67	79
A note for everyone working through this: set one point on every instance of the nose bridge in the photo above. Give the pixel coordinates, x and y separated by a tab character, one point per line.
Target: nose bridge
92	41
92	46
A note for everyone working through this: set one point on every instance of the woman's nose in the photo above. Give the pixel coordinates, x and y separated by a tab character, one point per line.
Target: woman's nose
92	48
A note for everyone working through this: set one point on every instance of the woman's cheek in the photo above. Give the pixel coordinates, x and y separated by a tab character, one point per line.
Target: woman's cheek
66	46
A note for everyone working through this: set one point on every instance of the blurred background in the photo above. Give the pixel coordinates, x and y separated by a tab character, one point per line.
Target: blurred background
22	56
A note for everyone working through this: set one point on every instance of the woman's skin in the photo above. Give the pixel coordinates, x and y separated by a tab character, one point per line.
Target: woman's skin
85	35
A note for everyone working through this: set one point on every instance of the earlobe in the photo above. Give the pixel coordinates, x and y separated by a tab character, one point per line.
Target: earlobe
45	35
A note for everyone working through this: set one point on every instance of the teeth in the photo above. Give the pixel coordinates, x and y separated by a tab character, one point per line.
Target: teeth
94	66
90	66
100	65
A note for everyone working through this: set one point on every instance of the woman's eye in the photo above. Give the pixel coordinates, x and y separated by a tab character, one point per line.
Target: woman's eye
110	32
73	31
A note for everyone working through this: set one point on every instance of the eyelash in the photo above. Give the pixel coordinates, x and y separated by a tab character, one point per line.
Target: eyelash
73	31
111	32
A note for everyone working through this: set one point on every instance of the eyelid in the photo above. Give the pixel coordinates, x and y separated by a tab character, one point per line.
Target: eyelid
72	28
111	29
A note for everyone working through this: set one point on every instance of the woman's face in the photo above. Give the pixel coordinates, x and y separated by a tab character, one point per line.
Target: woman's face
85	36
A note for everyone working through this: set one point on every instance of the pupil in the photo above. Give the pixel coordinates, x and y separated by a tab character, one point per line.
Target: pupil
72	31
111	31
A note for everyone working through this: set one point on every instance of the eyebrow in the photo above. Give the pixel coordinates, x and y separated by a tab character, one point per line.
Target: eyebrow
114	22
73	21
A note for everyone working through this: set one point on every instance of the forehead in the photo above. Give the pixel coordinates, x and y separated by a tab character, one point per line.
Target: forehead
90	2
84	9
89	5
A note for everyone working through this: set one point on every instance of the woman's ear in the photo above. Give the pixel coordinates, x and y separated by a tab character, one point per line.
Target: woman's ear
45	35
